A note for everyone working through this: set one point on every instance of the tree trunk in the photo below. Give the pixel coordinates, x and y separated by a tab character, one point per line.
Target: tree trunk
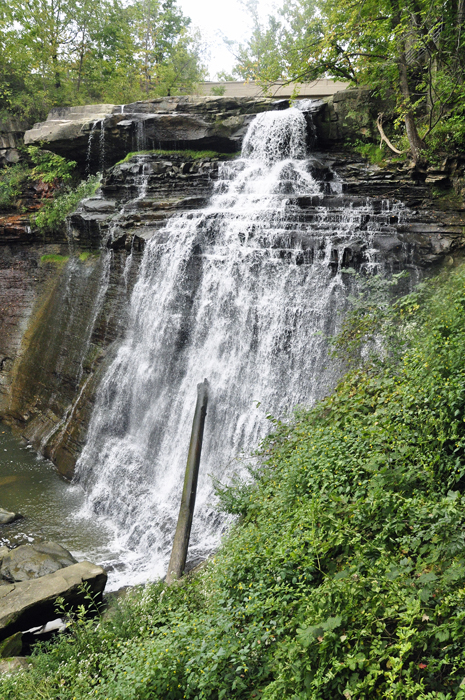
186	511
415	142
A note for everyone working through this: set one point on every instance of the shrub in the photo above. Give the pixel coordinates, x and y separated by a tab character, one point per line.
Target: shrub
371	151
54	211
12	178
50	167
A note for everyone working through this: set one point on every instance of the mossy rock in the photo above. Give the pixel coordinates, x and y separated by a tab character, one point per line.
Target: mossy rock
12	646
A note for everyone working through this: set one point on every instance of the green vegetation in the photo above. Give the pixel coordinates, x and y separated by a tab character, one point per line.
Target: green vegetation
49	167
412	54
99	51
218	90
62	190
12	179
56	259
54	211
185	154
86	255
370	151
345	574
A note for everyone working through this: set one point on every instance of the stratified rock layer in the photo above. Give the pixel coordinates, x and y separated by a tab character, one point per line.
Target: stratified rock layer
97	136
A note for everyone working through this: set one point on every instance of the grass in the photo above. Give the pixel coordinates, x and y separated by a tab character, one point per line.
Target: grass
184	154
88	254
345	573
61	259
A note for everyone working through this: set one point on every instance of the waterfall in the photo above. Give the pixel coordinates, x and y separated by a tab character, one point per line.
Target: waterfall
223	293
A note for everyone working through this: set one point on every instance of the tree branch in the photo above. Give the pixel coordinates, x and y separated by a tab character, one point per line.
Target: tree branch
379	124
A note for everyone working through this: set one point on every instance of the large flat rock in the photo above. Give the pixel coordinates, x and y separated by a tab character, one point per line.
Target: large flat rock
98	136
31	603
34	560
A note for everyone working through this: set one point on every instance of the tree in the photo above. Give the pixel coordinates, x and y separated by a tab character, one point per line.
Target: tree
262	57
61	52
414	49
168	56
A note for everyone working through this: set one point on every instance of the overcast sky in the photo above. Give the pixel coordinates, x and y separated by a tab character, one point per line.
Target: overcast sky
215	18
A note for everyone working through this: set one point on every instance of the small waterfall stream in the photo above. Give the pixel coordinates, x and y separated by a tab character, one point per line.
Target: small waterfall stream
222	293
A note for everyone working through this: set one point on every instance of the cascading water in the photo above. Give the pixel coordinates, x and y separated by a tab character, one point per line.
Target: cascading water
221	294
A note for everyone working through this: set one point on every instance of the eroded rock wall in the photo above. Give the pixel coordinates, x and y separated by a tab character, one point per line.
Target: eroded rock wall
67	332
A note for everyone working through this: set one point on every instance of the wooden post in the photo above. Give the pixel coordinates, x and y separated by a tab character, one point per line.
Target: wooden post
186	511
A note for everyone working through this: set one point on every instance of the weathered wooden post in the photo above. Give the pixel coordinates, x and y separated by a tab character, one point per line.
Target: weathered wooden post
186	511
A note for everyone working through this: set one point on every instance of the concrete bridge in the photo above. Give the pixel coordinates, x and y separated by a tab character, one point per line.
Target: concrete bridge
280	89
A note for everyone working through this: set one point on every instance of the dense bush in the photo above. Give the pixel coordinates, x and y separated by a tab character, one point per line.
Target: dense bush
49	167
55	210
12	179
63	191
345	576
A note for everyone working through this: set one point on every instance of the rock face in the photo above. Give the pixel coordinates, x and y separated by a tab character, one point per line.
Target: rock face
98	136
350	115
24	605
11	138
34	560
59	340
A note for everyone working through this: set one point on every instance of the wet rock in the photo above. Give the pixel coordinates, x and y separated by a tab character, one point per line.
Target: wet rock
350	114
436	178
11	646
98	204
3	552
34	560
33	602
7	517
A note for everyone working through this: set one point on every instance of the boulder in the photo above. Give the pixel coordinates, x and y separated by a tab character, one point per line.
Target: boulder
34	560
32	602
8	517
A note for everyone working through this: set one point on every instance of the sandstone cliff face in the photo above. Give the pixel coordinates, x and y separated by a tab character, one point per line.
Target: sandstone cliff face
64	300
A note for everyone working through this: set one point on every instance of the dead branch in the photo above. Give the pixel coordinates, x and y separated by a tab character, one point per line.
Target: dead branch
379	124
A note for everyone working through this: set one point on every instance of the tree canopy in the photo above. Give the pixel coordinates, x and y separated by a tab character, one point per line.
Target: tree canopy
414	51
60	52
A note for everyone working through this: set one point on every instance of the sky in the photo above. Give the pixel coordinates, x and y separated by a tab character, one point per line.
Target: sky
218	18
